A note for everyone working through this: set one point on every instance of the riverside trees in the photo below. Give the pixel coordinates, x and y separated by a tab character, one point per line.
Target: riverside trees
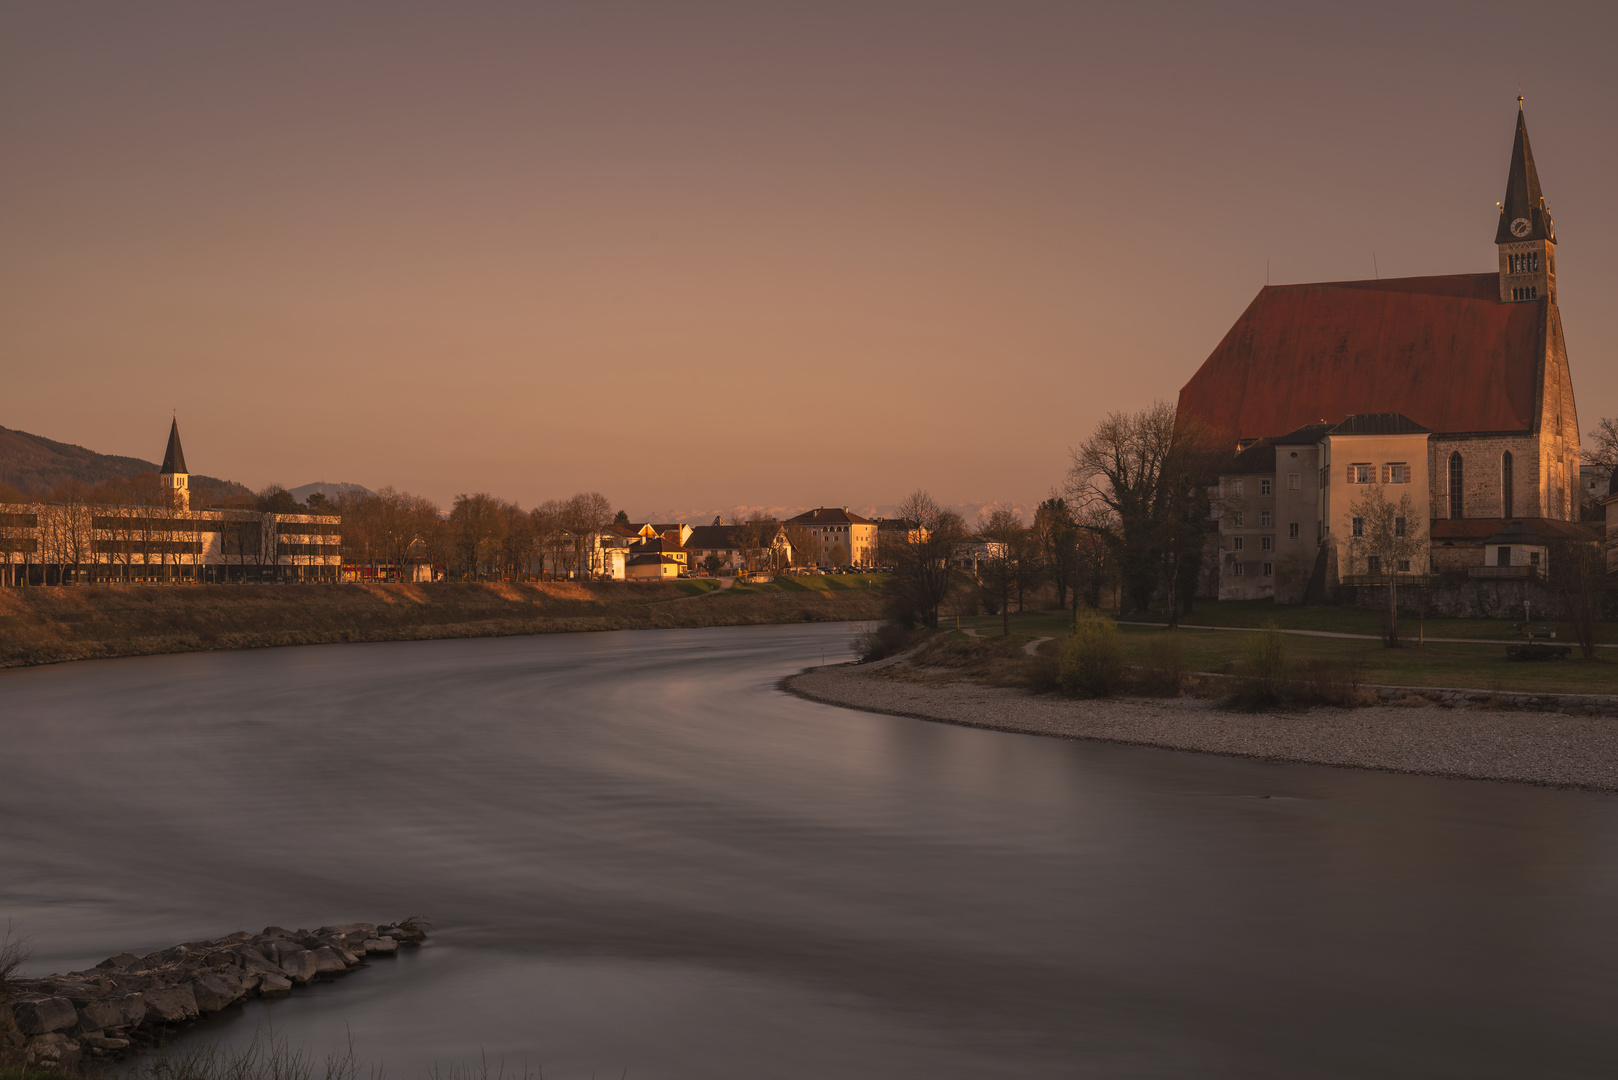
923	559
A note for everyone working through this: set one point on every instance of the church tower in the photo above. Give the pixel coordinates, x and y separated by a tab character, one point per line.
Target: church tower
173	474
1526	236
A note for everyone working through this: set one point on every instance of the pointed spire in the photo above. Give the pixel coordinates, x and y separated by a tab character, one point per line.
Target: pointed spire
174	460
1524	201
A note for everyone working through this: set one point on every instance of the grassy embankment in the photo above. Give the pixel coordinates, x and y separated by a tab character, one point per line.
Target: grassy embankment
46	625
1480	666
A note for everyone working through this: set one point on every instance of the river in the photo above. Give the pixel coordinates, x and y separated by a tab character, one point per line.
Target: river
641	857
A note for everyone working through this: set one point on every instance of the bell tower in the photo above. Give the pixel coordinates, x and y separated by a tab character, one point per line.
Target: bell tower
173	474
1526	235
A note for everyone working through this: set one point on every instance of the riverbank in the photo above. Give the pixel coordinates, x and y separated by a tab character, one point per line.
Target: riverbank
62	1022
50	625
1537	747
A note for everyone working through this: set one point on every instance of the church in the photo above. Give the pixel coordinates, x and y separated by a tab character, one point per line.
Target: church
1452	389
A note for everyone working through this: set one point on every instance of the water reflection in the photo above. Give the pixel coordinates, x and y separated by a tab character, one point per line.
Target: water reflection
640	855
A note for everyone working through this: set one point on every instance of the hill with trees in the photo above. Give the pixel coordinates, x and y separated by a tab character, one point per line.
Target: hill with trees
33	466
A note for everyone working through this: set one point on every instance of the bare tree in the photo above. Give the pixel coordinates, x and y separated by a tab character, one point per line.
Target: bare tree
588	513
1150	471
1578	575
923	559
1003	532
477	528
1056	534
1386	538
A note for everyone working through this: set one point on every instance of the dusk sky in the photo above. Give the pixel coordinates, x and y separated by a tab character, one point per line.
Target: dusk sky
703	255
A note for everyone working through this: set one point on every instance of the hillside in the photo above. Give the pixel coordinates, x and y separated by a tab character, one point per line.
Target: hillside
34	465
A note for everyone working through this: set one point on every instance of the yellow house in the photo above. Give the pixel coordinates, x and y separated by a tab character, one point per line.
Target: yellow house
1385	451
652	567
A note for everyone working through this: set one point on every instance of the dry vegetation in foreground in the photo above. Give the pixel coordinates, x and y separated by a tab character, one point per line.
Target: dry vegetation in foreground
48	625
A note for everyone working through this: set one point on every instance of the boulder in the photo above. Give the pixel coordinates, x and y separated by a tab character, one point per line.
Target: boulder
54	1050
106	1044
112	1012
42	1015
383	946
363	929
118	962
214	991
327	961
170	1004
274	985
299	966
253	962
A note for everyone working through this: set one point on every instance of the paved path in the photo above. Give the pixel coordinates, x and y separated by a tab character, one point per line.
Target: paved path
1357	637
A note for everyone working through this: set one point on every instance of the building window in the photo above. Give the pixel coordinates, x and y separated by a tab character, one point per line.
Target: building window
1238	522
1269	569
1238	570
1263	487
1236	487
1292	481
1404	566
1362	473
1238	543
1455	486
1398	526
1396	472
1264	543
1292	531
1373	564
1533	558
1264	519
1506	499
1358	526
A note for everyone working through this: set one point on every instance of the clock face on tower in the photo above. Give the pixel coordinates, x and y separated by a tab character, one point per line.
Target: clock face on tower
1520	227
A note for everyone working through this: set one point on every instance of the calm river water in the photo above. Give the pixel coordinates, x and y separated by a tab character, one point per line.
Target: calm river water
639	855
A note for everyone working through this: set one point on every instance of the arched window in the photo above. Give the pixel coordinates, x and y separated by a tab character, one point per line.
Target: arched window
1505	485
1455	507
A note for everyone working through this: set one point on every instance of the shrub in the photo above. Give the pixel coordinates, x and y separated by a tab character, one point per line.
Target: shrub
880	641
1164	671
1092	659
1335	682
1041	673
1262	682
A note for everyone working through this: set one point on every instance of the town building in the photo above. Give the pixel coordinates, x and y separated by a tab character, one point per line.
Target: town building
56	543
833	537
1453	389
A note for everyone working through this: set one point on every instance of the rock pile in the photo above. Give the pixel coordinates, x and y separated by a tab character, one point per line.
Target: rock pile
129	1001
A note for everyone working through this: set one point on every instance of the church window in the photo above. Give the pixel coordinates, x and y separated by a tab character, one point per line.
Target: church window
1292	531
1357	526
1264	519
1263	487
1506	485
1455	481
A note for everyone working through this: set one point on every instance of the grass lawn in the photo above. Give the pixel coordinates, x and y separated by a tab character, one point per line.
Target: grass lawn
1478	666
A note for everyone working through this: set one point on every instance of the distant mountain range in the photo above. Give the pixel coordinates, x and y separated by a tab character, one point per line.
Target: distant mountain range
331	491
35	465
971	511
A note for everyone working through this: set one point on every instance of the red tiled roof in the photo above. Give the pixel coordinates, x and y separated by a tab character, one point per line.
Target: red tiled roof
1443	351
829	515
1476	530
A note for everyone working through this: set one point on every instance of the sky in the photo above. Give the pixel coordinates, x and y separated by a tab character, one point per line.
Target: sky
705	255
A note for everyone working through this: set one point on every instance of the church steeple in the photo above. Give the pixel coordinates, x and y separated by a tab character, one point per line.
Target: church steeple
173	473
1526	235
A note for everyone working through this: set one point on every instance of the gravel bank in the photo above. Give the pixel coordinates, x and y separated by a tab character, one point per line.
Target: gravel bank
1484	744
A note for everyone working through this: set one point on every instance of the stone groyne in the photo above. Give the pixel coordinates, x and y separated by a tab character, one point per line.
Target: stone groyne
126	1002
